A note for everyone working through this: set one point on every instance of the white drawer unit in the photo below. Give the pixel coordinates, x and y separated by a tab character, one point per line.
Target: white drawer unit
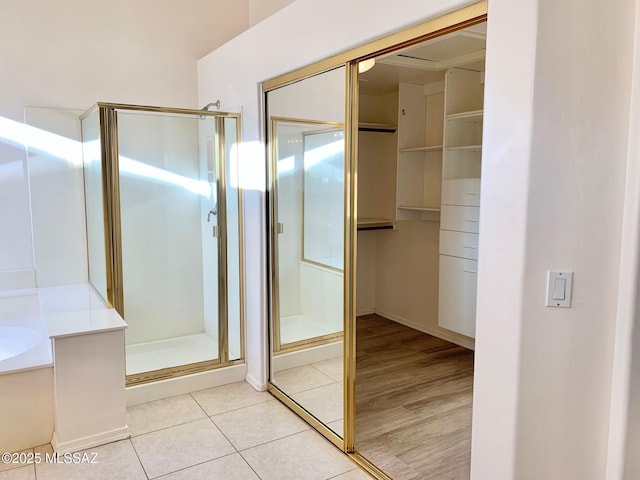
461	191
459	244
457	295
460	218
460	200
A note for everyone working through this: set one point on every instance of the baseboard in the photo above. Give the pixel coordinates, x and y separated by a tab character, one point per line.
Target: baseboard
171	387
440	333
368	311
307	356
89	442
259	386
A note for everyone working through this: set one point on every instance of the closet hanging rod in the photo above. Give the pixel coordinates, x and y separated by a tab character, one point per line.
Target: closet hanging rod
377	127
364	228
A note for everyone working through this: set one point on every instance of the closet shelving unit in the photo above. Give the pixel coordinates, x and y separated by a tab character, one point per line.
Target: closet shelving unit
460	204
420	151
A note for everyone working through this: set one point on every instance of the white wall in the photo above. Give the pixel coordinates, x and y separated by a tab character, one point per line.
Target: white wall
69	54
557	89
624	430
555	174
578	160
261	9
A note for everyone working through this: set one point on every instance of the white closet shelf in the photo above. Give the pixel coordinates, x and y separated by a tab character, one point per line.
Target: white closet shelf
465	147
429	148
419	208
461	115
375	221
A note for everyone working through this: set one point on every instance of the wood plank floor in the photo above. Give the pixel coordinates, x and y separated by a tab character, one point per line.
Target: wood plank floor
413	401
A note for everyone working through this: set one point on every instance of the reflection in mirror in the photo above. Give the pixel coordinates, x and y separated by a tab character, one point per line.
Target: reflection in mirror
323	191
307	223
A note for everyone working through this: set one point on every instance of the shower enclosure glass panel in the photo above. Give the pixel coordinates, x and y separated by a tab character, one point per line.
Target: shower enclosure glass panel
234	239
168	212
93	181
172	235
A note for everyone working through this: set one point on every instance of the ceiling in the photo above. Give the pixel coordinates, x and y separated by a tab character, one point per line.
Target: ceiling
426	63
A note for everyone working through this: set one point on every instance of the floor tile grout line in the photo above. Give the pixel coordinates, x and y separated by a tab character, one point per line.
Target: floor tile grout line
144	470
306	389
355	467
302	366
222	433
195	465
309	428
249	465
326	374
198	403
14	466
240	408
170	426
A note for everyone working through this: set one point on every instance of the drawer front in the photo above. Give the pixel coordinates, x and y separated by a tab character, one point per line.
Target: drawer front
460	219
457	295
459	244
461	191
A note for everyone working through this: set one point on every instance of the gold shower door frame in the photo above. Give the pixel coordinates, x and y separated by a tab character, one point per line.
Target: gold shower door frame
108	131
278	346
457	20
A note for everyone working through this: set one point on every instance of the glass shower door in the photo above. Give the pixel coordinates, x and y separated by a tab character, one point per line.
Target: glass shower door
169	212
168	230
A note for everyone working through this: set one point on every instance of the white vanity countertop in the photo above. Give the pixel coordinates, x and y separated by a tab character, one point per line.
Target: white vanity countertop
76	310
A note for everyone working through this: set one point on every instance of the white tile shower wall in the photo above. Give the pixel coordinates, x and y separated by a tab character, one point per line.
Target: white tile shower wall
57	197
321	296
161	229
16	253
17	279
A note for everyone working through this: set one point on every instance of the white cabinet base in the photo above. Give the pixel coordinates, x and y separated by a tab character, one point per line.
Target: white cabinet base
457	295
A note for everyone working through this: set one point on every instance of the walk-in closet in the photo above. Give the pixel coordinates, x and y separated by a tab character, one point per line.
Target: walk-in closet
374	213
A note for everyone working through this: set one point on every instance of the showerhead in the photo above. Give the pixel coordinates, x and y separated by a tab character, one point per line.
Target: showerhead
212	104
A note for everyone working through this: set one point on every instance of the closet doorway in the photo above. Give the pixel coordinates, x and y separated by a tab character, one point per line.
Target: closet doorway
419	166
397	174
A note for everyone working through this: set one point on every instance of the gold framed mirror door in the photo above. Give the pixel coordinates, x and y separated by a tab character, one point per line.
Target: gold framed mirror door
361	121
306	208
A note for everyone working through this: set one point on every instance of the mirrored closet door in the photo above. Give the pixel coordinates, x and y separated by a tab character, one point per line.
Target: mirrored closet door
306	138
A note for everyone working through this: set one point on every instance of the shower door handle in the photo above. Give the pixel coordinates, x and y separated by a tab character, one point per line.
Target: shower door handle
213	211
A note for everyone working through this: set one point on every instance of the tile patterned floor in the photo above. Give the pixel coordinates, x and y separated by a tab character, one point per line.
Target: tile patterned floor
230	432
318	388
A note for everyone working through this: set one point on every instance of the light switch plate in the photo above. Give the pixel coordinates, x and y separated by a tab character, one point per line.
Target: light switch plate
556	282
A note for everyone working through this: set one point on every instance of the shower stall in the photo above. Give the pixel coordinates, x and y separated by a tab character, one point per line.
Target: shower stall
163	212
